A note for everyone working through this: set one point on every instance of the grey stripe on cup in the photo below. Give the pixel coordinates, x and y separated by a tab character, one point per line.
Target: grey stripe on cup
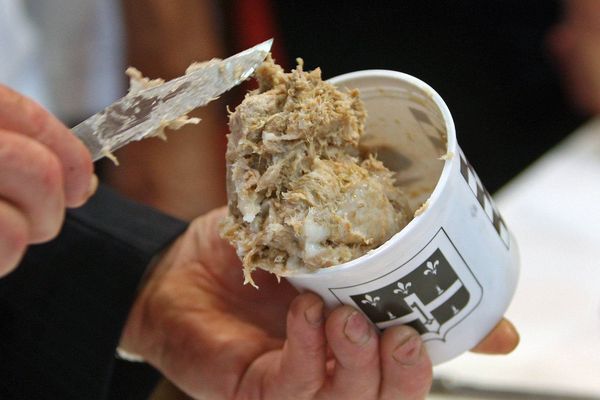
484	199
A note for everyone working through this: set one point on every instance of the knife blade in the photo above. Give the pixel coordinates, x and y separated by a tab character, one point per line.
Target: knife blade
139	114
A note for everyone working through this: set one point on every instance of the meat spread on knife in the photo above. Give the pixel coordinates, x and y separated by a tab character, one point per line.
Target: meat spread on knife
301	196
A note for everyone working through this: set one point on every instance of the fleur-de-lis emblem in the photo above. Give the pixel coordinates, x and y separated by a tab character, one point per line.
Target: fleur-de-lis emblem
370	300
432	267
402	288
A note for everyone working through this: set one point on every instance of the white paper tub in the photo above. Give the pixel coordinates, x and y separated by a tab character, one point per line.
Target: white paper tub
452	271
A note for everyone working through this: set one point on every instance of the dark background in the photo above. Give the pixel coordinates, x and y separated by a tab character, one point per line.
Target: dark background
487	59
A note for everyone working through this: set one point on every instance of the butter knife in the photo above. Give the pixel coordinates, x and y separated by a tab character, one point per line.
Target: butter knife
138	115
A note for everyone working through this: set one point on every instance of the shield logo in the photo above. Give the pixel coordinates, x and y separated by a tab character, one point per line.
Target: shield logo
432	292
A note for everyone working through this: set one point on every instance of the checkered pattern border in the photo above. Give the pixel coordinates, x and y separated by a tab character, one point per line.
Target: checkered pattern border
484	199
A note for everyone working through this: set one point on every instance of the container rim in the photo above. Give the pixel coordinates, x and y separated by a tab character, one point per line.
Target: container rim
433	199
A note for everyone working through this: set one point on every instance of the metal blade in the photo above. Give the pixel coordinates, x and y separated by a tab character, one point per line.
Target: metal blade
138	115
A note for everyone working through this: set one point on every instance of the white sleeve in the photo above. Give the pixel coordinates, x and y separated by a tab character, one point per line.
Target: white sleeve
20	66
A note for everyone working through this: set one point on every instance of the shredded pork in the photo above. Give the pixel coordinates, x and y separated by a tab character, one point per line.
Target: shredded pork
301	197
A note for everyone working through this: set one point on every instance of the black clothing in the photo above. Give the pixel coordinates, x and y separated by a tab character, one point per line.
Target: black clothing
63	309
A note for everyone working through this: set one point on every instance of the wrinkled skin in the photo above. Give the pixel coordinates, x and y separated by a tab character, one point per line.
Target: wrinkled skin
44	168
218	339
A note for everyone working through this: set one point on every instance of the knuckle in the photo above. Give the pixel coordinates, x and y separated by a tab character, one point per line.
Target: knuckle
421	382
38	118
11	152
45	172
51	175
33	181
21	153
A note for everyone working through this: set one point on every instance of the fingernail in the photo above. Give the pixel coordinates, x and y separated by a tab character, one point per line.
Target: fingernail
357	329
408	350
314	314
93	186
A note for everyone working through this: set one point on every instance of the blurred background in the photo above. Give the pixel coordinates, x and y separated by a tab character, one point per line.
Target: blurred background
518	76
496	64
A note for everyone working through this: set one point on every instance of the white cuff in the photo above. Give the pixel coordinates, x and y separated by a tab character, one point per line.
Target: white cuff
124	355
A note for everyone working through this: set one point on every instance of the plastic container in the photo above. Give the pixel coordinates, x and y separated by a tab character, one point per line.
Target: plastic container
452	271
